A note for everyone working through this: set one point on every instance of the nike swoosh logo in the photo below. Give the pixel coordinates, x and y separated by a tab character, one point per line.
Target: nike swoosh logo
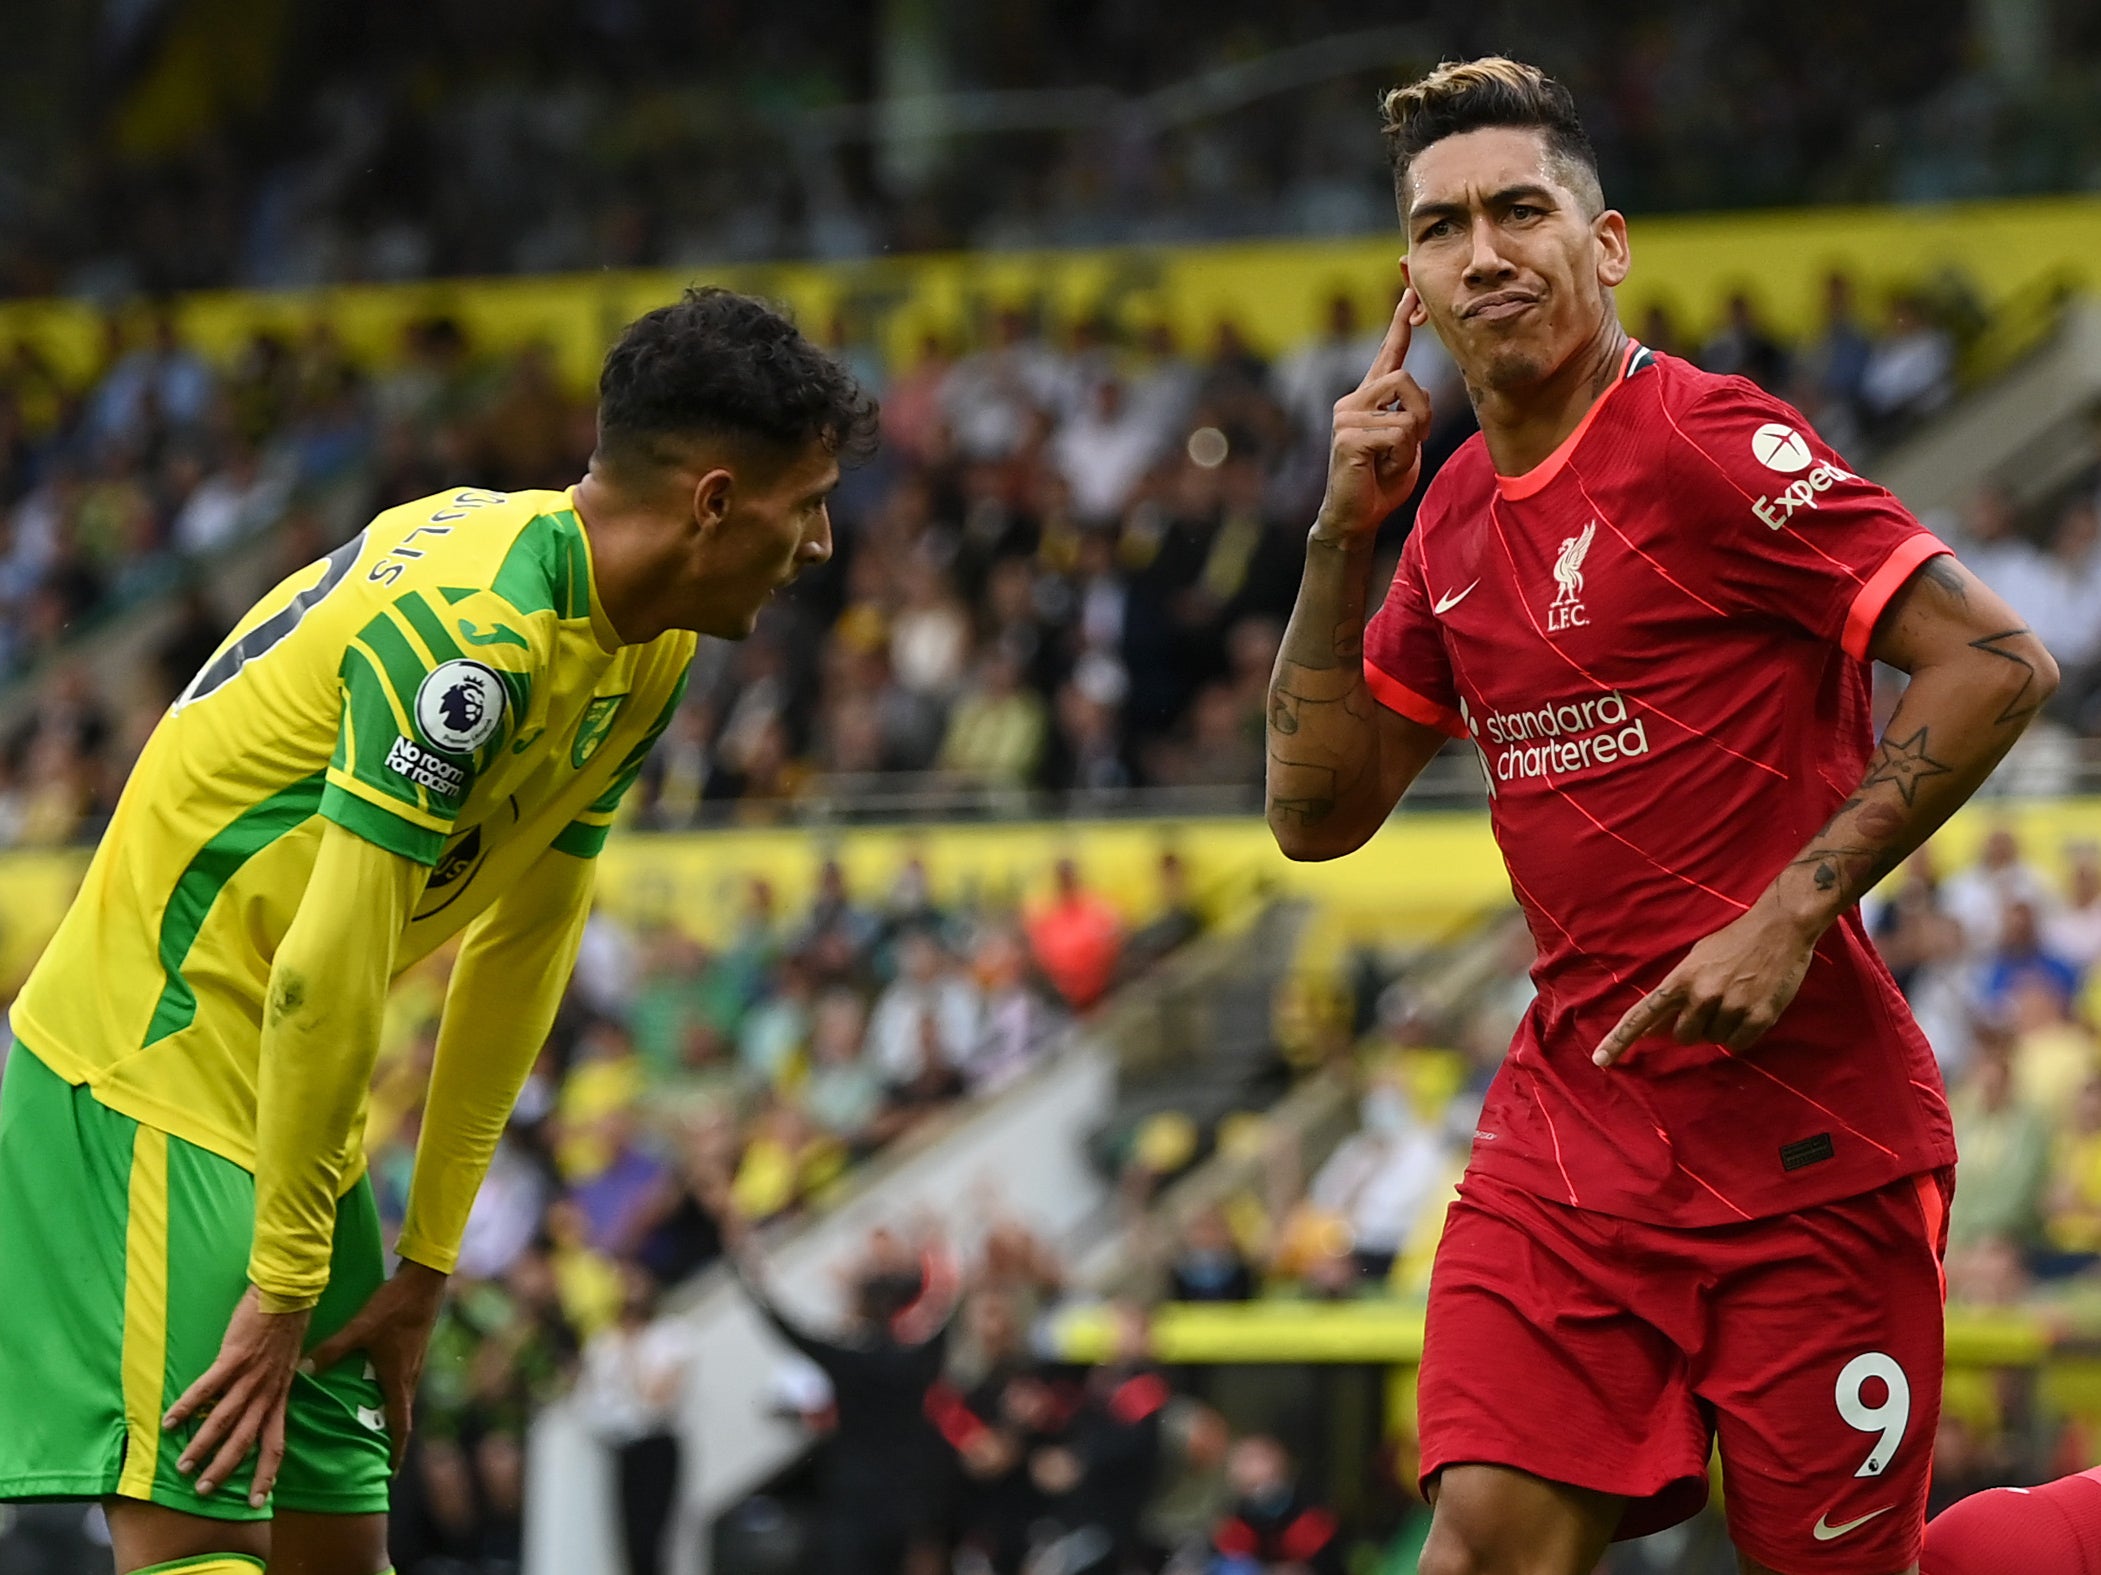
1446	603
497	635
527	740
1824	1532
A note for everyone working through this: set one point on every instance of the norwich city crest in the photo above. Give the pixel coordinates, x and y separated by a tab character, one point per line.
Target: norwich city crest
592	730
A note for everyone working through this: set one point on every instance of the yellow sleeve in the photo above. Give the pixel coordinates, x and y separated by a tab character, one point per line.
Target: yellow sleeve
513	966
328	986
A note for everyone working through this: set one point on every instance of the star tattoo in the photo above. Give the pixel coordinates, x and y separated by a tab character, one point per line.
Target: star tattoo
1906	764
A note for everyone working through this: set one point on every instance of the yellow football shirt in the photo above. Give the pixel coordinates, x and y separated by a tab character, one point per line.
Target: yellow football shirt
445	685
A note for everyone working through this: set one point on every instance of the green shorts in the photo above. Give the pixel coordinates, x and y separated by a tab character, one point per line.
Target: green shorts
122	1253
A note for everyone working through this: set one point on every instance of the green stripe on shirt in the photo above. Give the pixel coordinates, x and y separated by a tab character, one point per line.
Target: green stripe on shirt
213	865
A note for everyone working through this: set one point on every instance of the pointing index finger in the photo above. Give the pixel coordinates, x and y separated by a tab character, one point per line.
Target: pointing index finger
1393	349
1641	1017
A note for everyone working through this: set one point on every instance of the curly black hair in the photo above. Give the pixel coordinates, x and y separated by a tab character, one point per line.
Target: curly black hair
720	363
1467	95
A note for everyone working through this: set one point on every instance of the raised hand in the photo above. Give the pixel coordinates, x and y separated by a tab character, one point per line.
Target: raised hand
1376	452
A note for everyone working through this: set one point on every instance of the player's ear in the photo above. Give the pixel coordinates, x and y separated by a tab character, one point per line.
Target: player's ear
1615	259
1421	314
711	500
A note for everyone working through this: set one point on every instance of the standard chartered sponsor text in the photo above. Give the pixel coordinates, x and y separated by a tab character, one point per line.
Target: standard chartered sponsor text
1563	737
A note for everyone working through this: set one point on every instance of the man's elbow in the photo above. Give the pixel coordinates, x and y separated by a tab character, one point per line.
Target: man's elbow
2029	688
1307	839
2047	677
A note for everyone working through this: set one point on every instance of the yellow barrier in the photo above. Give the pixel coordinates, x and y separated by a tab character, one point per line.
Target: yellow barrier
1376	1333
1420	876
1276	290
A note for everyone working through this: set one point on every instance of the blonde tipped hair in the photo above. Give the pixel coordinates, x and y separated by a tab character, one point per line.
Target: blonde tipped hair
1470	95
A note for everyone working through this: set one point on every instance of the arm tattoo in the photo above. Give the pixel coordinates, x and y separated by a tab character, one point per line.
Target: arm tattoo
1945	574
1857	846
1321	716
1905	763
2021	707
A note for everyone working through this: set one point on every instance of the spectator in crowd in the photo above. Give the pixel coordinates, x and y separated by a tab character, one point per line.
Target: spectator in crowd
1741	346
930	1001
2073	930
1981	897
2005	1145
1833	369
2075	1191
1382	1179
1076	938
1910	372
1179	919
1992	544
844	1091
2020	959
1272	1529
996	731
634	1380
881	1467
1209	1265
2065	617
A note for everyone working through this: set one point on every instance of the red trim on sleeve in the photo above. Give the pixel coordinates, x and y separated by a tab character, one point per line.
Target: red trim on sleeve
1397	696
1535	479
1883	584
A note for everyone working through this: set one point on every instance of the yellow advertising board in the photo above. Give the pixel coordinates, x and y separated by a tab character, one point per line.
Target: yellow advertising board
1421	876
1276	291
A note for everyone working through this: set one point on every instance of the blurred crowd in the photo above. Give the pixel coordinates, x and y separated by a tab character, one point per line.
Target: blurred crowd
686	1085
1066	572
951	1438
398	140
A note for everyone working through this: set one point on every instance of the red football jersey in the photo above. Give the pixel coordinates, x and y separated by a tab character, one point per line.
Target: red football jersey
1657	641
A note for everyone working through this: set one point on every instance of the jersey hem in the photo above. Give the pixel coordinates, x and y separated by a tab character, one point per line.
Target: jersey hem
149	1112
381	827
368	1502
59	1485
1874	597
1397	696
1744	1208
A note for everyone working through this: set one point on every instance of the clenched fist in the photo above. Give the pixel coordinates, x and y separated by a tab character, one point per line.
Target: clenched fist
1376	453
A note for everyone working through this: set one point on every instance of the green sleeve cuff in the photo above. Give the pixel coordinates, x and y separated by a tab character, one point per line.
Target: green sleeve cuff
580	839
380	827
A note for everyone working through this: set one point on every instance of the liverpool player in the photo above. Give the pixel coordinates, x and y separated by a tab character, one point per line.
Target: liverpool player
1709	1185
2054	1529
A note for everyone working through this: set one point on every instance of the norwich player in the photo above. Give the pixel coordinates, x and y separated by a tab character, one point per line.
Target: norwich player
425	735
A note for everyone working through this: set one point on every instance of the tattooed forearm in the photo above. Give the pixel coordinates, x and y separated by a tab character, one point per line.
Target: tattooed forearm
1322	735
1970	694
1948	732
1906	764
2005	646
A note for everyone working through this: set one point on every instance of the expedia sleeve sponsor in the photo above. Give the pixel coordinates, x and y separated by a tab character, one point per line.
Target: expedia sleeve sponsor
1562	738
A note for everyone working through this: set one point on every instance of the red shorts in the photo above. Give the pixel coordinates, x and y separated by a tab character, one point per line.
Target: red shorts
1610	1354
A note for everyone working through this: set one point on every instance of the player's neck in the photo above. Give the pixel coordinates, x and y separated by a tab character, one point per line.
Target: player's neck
1523	426
624	571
